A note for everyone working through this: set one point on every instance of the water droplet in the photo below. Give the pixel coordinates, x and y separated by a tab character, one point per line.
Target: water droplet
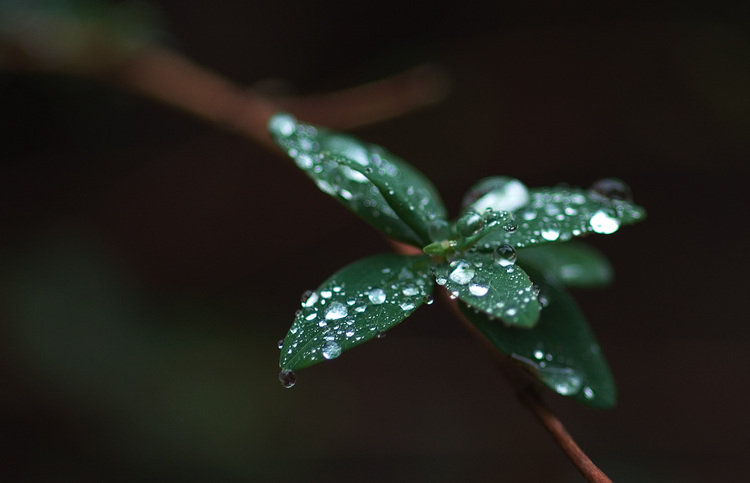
322	323
462	273
429	300
563	380
604	222
505	255
287	378
479	288
381	334
538	354
498	192
331	350
588	393
470	223
326	294
280	344
511	224
336	311
612	189
410	290
349	332
283	124
309	298
407	306
550	231
377	296
511	311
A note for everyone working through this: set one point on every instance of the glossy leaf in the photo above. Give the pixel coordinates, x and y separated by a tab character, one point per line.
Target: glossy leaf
561	351
356	304
574	264
555	215
386	191
498	290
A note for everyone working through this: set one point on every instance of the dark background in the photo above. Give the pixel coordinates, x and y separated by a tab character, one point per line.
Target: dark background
149	262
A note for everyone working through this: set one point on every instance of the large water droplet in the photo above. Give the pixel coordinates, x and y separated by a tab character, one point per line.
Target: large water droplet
505	255
470	223
336	311
376	296
309	298
498	192
462	273
410	290
287	378
479	288
550	231
283	124
563	380
407	306
511	224
604	222
331	350
612	189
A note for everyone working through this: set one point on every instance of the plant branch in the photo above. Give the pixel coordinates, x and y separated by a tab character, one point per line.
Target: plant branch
527	393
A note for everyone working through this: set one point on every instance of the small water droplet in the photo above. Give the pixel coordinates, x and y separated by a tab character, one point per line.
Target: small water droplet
336	311
326	294
331	350
604	222
322	323
410	290
287	378
280	344
588	393
349	332
612	189
381	335
377	296
505	255
429	300
538	354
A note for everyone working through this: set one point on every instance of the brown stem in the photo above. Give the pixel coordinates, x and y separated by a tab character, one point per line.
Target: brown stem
532	400
527	393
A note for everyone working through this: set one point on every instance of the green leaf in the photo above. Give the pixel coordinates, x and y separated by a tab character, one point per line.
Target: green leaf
547	215
561	351
383	189
574	264
354	305
501	291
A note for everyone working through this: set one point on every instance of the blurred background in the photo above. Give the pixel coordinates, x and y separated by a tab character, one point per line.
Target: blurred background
150	262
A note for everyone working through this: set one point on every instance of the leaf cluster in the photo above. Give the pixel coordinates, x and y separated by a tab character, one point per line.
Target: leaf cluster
507	258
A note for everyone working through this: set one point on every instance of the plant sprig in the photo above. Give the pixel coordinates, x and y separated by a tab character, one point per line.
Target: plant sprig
507	258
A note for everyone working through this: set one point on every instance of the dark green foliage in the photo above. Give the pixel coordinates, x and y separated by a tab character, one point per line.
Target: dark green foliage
507	258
